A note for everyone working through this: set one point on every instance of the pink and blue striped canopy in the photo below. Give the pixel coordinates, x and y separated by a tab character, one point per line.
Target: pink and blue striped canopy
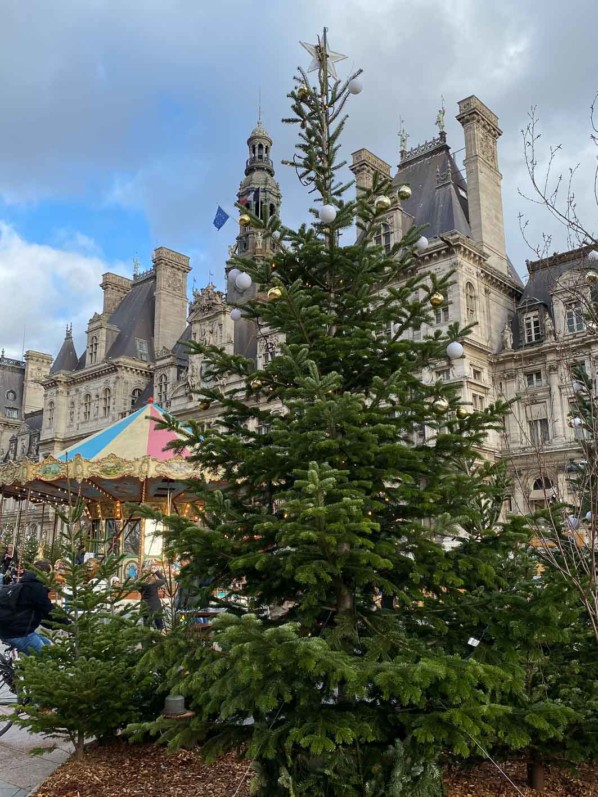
132	437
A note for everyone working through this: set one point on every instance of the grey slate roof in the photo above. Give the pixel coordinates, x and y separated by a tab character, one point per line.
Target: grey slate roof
66	359
439	190
34	420
134	317
180	350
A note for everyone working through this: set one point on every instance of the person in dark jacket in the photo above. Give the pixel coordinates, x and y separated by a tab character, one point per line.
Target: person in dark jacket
33	607
152	609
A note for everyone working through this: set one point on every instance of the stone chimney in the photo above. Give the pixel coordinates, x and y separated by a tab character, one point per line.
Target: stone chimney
365	165
37	368
484	192
170	316
115	289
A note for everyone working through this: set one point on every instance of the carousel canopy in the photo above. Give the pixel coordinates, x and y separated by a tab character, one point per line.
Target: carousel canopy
126	462
132	437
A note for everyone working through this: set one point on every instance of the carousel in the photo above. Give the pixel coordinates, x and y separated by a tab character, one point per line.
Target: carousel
112	472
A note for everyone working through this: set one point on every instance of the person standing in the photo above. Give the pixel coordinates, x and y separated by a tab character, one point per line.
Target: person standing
150	597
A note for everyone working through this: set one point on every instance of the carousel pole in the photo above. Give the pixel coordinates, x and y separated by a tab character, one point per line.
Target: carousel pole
15	535
21	552
42	534
54	527
142	529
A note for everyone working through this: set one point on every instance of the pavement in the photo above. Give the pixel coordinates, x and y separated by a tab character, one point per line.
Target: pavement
20	772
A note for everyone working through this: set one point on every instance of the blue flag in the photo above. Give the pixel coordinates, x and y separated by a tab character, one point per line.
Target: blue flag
220	218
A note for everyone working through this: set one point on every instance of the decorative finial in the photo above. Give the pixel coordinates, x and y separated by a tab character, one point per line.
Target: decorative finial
440	119
136	265
69	331
403	136
259	106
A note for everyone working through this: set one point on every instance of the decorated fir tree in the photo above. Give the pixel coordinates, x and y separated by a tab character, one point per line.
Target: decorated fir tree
341	665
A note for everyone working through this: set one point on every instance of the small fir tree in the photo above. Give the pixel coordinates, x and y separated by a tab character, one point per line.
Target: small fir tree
86	684
335	503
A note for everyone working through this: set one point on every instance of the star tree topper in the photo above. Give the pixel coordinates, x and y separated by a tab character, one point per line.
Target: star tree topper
315	50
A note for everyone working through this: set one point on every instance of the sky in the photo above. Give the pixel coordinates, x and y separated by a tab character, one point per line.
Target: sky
123	124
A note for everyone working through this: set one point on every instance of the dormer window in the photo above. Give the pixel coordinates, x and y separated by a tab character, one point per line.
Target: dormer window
142	349
531	325
384	237
574	317
93	350
470	303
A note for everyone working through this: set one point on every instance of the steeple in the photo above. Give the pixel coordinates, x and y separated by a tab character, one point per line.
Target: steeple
66	359
259	192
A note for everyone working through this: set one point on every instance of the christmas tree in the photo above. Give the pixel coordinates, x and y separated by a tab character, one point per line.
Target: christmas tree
85	685
347	552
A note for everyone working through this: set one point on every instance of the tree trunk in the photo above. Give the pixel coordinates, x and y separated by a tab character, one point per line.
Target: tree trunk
79	746
535	775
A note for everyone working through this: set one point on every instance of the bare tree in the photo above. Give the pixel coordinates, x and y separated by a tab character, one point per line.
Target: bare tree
555	190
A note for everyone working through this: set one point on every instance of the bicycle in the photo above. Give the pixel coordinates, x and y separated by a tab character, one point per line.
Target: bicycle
8	693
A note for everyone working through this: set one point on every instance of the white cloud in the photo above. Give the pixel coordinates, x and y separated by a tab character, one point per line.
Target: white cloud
42	288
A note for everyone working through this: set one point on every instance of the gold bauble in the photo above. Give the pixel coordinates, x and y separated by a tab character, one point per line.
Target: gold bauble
204	405
244	220
592	276
440	405
382	203
255	383
404	192
437	299
274	294
302	92
463	412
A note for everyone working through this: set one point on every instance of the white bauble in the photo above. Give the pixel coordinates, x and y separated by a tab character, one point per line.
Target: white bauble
355	86
243	281
588	516
233	274
454	350
573	522
235	314
421	243
578	387
327	214
592	254
576	423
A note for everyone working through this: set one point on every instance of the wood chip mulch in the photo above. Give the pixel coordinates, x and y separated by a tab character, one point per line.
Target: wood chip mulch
145	770
486	781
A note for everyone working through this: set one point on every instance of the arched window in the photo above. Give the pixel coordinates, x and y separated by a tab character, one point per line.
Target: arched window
86	406
260	152
384	237
51	407
135	396
162	389
470	303
543	483
106	397
93	349
272	210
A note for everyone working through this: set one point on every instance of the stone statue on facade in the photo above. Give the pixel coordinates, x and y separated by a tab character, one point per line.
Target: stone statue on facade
507	337
548	327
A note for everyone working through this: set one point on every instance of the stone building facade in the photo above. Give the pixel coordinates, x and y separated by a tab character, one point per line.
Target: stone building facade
522	343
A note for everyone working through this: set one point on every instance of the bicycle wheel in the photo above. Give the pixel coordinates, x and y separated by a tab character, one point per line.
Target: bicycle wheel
8	697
